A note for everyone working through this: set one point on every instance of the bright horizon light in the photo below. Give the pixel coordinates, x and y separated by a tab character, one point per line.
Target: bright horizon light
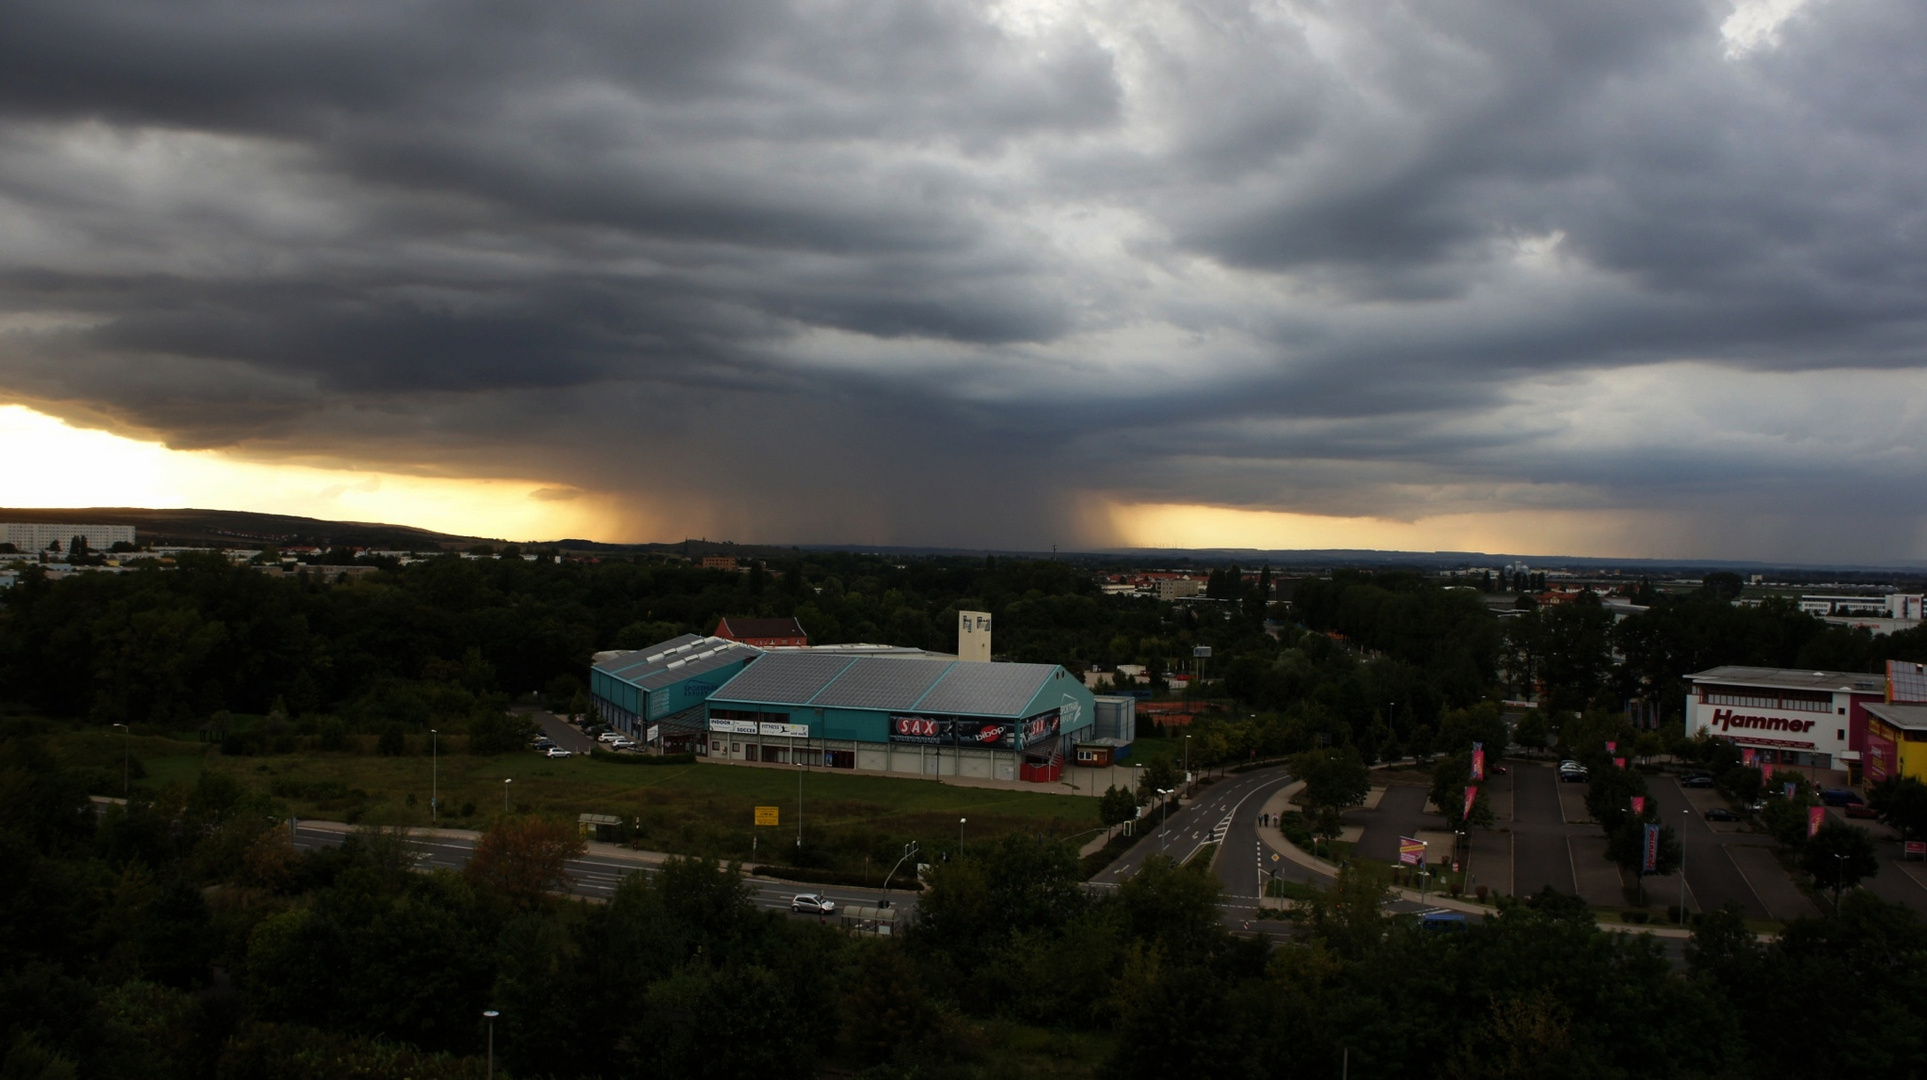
78	468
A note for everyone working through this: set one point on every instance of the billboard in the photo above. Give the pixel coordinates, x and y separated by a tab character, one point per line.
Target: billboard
767	815
1411	852
1882	758
929	730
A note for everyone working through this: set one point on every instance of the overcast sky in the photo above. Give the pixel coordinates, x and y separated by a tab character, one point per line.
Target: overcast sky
1637	277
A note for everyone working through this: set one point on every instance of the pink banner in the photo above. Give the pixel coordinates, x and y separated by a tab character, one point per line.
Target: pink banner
1789	788
1639	805
1611	746
1619	763
1816	815
1471	796
1478	762
1746	755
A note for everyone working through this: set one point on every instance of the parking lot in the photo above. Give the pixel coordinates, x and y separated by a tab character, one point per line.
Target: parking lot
1542	837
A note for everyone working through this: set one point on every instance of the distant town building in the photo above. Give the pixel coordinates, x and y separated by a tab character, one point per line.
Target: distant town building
1815	719
1177	588
719	562
762	633
39	536
973	635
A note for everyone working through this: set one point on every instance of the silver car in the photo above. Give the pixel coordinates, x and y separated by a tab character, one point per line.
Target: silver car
812	903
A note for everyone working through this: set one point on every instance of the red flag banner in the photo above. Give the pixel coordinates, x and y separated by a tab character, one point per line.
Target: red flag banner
1471	796
1619	763
1816	816
1746	755
1411	852
1611	746
1649	860
1478	762
1639	805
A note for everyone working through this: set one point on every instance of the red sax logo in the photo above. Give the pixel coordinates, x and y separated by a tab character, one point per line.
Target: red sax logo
1725	720
916	726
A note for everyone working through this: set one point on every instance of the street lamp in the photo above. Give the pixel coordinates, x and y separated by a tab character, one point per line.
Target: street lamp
1164	816
491	1014
435	784
506	781
1187	759
126	733
1839	872
1682	868
799	796
960	825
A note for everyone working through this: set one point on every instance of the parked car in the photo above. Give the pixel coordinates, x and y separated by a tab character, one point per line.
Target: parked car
1696	780
1570	764
1721	813
812	903
556	751
542	744
1574	776
1835	796
1861	810
609	736
622	744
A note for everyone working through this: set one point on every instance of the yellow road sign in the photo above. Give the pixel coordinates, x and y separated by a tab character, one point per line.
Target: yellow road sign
766	815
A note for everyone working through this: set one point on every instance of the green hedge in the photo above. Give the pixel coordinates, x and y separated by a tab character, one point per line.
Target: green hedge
906	882
642	759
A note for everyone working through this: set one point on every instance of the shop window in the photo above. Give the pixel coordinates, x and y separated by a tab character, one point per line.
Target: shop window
840	759
1840	734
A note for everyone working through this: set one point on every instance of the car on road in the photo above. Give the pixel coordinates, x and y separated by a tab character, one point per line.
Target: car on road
1574	776
1569	764
1721	813
556	751
1698	779
812	903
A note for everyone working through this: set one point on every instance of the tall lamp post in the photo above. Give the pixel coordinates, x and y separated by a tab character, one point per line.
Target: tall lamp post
799	796
506	781
126	735
491	1014
1164	817
1682	868
1839	872
960	825
435	782
1187	759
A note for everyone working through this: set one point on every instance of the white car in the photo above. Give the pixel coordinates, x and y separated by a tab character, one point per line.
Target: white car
609	736
622	744
556	751
813	903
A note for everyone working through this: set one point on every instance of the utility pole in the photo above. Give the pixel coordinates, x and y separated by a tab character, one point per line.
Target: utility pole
126	784
435	782
1682	869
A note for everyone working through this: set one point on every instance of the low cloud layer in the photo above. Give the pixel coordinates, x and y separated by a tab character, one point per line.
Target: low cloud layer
948	273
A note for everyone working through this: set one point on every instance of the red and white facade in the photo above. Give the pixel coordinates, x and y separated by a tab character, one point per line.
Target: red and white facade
1787	717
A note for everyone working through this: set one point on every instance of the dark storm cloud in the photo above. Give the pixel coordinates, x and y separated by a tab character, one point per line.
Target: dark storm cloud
921	271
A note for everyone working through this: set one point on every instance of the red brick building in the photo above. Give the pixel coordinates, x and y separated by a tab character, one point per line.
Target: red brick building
762	633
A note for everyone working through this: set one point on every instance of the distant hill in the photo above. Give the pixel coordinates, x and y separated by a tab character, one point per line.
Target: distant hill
242	528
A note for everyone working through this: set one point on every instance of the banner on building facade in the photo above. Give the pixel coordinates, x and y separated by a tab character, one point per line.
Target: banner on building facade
733	727
784	731
963	731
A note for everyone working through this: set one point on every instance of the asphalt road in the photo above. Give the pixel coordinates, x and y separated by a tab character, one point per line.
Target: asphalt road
595	876
1206	819
566	735
1540	856
1711	877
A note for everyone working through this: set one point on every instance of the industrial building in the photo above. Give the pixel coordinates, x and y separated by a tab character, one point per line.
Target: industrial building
762	633
637	690
866	708
1787	717
39	536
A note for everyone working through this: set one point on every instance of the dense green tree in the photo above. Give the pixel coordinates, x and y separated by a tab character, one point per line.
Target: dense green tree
1839	856
1901	802
1333	778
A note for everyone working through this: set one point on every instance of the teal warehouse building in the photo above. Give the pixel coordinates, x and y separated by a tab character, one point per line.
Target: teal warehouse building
665	685
919	716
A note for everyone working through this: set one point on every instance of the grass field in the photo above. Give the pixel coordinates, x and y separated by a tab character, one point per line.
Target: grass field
694	809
